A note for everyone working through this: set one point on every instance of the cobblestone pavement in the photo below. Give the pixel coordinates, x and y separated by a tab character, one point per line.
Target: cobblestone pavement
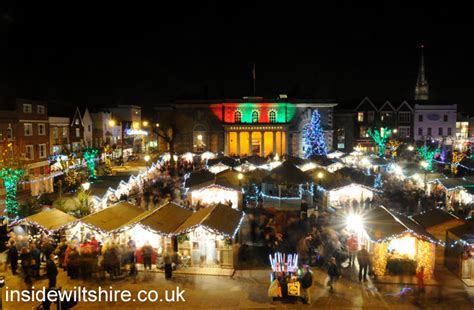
248	290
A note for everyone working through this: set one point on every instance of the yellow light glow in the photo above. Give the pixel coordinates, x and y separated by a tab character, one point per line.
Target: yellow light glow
145	124
320	175
111	123
405	246
354	223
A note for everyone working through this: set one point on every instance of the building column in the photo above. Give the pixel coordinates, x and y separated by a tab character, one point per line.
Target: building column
262	143
287	143
274	143
226	143
238	143
250	144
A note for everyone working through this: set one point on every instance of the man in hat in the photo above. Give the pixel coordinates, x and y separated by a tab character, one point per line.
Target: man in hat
306	283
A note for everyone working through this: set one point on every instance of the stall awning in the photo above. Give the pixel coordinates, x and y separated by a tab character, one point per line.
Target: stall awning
220	219
454	183
464	232
51	219
226	160
199	178
287	173
162	220
381	224
113	217
434	217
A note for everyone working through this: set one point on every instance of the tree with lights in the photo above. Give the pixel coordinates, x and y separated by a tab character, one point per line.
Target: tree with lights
108	160
11	172
313	136
89	155
380	138
393	146
457	158
428	155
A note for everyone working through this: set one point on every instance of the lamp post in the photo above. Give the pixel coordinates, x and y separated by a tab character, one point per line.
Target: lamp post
320	176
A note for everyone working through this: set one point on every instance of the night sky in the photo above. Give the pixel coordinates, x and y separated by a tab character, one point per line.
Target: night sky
91	54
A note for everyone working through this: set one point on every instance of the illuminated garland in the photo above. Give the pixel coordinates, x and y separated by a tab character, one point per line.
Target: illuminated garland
380	138
211	230
380	258
90	155
425	256
457	158
428	155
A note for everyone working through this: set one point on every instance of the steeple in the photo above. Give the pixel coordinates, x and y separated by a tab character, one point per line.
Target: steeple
421	89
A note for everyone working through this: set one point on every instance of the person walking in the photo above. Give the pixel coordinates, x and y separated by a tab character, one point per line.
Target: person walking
333	272
167	260
13	256
363	258
352	246
51	271
147	252
306	283
36	259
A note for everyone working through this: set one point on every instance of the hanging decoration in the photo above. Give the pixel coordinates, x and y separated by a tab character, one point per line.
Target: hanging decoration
393	146
11	172
428	155
455	161
90	155
313	136
380	138
280	262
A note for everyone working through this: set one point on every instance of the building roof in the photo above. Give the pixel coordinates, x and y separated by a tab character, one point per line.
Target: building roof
113	217
381	224
433	218
255	160
322	161
464	232
220	219
201	177
257	175
226	160
297	161
287	173
51	219
163	220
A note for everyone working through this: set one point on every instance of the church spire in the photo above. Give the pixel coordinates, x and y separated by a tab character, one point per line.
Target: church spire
421	89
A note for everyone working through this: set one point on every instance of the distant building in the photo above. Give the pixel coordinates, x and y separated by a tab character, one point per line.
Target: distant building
59	134
88	134
128	119
343	138
77	131
25	123
252	125
102	128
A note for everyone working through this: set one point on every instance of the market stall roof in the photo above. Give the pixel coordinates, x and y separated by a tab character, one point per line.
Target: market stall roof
467	163
322	161
378	161
163	220
220	219
432	176
51	219
381	224
434	217
113	217
357	176
100	185
229	179
255	160
329	180
199	178
257	175
464	232
297	161
287	173
453	183
226	160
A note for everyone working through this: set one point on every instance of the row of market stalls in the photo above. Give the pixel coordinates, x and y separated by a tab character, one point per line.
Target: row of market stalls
202	238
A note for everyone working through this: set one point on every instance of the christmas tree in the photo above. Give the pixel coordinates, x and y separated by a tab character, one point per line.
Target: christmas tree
11	172
313	135
90	155
380	137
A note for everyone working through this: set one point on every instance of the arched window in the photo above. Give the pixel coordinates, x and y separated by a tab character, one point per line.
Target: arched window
237	116
272	116
255	117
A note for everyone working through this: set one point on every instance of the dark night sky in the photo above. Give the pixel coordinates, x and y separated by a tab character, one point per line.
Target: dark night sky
95	54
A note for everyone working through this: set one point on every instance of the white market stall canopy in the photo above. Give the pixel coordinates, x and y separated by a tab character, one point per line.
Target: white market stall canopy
50	219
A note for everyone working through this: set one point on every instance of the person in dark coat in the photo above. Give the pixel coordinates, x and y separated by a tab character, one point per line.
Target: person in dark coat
168	261
363	258
147	252
36	259
13	257
333	272
306	283
25	258
51	271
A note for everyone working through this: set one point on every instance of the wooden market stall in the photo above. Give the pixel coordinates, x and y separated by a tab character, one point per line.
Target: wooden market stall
50	220
398	245
437	222
286	187
460	252
207	236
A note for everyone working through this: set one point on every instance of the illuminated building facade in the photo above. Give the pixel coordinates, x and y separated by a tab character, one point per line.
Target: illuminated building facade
249	126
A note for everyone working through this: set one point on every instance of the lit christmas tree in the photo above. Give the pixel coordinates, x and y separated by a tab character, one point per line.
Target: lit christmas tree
455	161
10	173
89	155
378	181
313	136
108	160
428	155
380	138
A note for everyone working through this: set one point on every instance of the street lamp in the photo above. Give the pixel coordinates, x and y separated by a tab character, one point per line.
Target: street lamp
145	123
411	148
147	159
86	186
113	123
240	176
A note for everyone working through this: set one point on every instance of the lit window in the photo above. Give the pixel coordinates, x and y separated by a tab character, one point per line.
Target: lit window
78	132
255	117
42	151
28	129
55	132
41	129
29	152
272	116
76	121
360	117
27	108
9	133
363	132
237	116
40	109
